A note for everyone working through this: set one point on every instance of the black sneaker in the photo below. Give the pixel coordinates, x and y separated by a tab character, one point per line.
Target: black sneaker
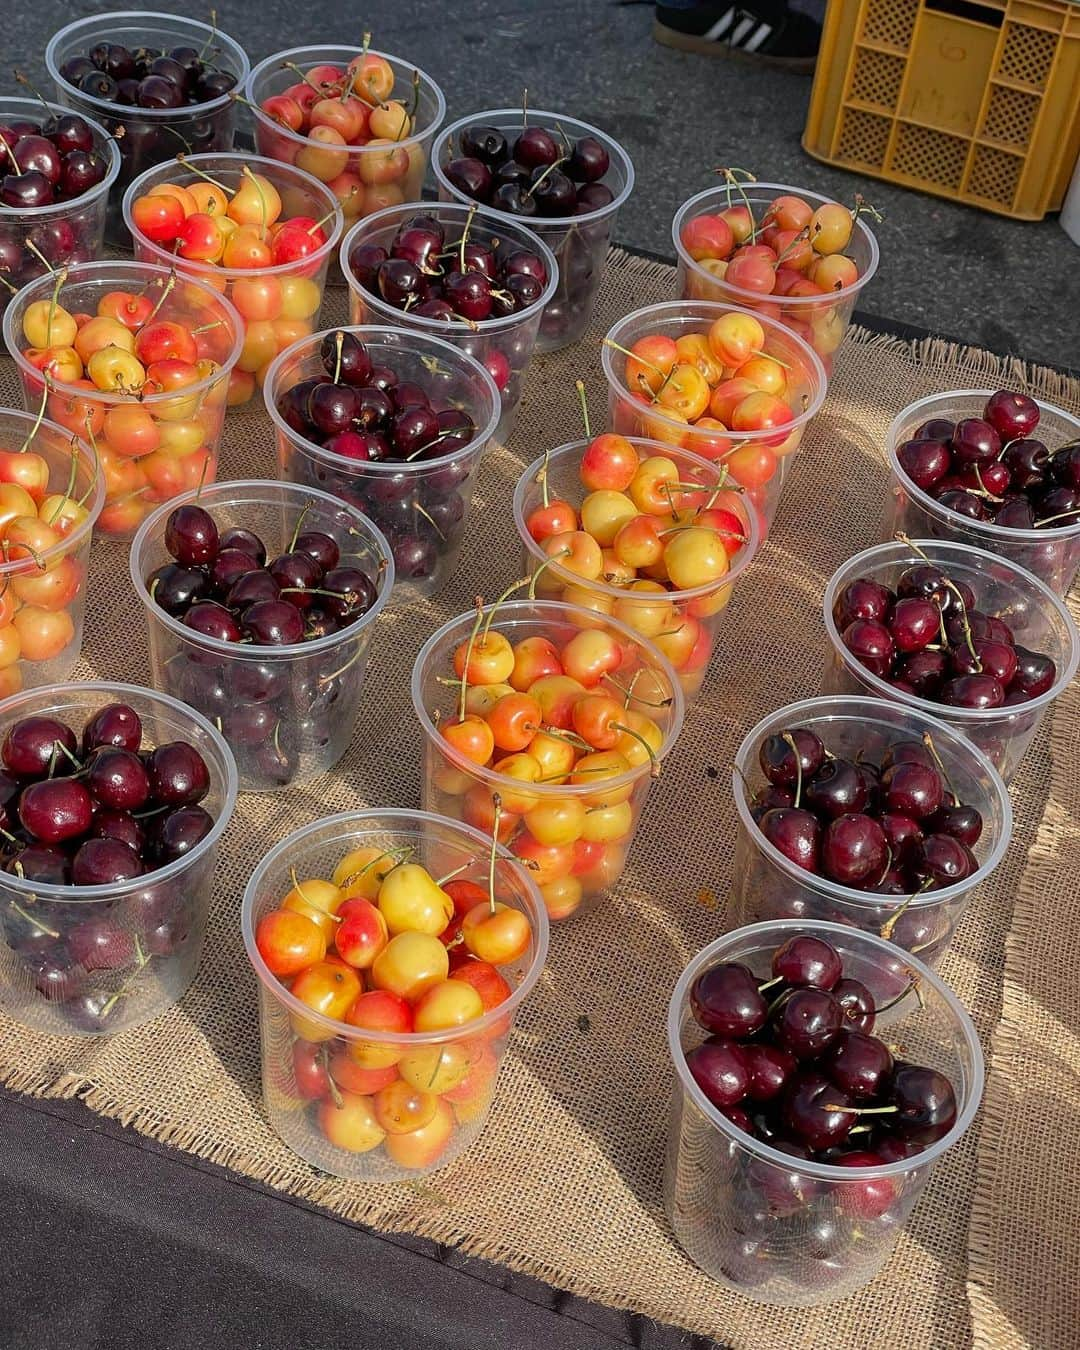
766	31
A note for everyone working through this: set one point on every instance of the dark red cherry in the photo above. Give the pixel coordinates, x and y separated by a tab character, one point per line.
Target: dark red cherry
250	589
118	825
31	746
212	620
807	962
718	1069
725	1001
912	789
768	1067
1011	415
244	540
871	644
1027	462
345	358
778	760
974	441
319	545
964	503
1035	672
273	623
229	566
942	861
118	779
470	176
105	862
115	724
1065	465
298	575
55	809
926	1103
837	789
859	1065
768	798
960	821
796	833
178	774
856	1003
486	143
535	147
176	588
914	623
973	691
589	160
784	1192
924	672
191	536
804	1110
100	944
806	1022
853	850
901	831
925	462
870	1197
177	832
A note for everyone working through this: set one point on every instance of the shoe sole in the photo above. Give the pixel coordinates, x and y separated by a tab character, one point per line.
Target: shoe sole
689	42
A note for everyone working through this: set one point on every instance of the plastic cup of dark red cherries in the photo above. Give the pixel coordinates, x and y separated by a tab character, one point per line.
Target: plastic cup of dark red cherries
794	1159
114	802
994	469
953	632
262	618
563	178
866	813
45	223
394	423
452	271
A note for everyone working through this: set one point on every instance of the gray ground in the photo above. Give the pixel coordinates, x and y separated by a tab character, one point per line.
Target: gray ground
1008	285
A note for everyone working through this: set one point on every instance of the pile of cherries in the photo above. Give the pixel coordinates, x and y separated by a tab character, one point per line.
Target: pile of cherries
96	809
385	946
454	280
362	413
791	1060
927	638
992	468
892	828
221	586
42	164
537	174
147	77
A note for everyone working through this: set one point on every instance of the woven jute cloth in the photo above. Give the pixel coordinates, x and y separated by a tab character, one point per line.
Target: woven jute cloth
565	1182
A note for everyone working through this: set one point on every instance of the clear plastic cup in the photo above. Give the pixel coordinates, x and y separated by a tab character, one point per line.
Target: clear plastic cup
150	135
758	461
287	712
772	1227
503	346
1038	618
572	874
822	320
580	243
43	594
159	918
422	506
766	885
65	233
143	459
684	627
279	304
358	174
1053	554
294	1037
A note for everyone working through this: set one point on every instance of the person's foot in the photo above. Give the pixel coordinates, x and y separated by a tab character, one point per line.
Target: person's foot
767	31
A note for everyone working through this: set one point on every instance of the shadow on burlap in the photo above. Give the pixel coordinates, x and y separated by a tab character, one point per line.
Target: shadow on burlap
565	1182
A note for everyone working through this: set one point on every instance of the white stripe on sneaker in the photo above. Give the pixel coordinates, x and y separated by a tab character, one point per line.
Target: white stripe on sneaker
740	31
759	37
720	27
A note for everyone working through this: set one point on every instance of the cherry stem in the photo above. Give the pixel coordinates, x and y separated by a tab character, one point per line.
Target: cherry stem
733	182
300	891
548	562
11	155
304	79
955	590
163	297
324	680
542	476
803	234
549	170
339	343
465	235
37	420
1064	515
579	385
496	802
514	586
211	35
776	979
22	913
889	926
567	737
29	243
441	881
182	158
524	107
630	697
639	359
400	853
468	656
789	740
928	741
335	1092
911	988
863	1110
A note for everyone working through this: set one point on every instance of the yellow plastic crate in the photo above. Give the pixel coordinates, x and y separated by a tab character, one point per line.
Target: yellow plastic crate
979	103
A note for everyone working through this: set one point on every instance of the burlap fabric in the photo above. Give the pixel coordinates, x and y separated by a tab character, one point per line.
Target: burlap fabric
565	1183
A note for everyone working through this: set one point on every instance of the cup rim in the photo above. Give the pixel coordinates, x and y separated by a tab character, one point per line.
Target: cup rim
198	270
374	333
868	709
715	309
715	952
986	529
458	326
103	142
614	148
249	490
68	543
94	21
553	610
403	819
686	212
12	707
747	552
870	558
101	271
325	49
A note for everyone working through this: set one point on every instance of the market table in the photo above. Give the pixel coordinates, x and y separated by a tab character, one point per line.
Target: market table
115	1238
